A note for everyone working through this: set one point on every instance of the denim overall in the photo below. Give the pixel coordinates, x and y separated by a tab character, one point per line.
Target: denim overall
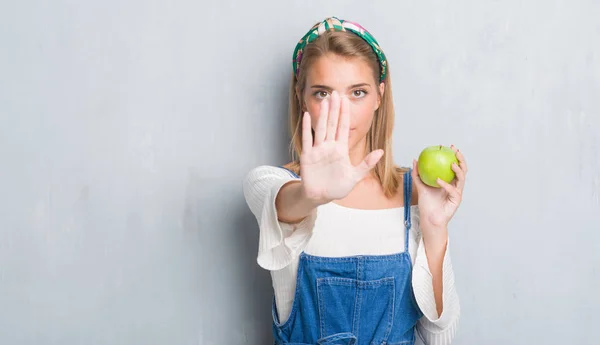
361	300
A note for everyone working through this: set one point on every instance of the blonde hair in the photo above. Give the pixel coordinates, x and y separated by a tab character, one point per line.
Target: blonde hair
349	45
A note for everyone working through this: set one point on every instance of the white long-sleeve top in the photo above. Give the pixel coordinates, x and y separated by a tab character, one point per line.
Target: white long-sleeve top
333	230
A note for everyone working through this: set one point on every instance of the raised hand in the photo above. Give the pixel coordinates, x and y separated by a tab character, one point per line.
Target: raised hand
327	172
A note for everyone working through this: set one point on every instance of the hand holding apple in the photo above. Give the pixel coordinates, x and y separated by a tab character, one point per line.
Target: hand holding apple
438	205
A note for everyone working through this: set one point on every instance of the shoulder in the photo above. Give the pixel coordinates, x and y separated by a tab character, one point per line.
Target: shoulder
415	194
415	191
265	174
294	167
403	171
262	180
266	171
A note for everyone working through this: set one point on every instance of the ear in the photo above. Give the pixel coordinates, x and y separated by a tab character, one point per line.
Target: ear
380	96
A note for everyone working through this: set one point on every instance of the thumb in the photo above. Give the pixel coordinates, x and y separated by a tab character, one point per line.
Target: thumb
369	162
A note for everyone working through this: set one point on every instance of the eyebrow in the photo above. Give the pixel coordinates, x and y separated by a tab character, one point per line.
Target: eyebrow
329	88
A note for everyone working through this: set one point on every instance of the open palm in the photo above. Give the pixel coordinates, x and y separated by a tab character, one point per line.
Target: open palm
327	172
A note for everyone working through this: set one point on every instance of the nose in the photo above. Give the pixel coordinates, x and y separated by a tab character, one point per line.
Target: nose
345	100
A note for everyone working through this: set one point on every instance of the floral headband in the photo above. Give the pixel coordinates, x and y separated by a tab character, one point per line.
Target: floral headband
335	24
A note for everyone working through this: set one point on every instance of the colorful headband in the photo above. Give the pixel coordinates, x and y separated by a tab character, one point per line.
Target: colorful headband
336	24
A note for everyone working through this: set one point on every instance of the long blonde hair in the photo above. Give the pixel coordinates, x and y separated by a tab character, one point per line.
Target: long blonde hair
347	44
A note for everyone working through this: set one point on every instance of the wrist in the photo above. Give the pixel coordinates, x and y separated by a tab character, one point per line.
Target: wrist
432	227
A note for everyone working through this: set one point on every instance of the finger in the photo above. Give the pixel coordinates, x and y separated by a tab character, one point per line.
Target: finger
369	162
306	133
344	123
415	175
321	130
453	194
461	159
462	162
460	177
334	115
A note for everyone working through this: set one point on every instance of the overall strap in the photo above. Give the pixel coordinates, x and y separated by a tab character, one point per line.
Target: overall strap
291	172
407	198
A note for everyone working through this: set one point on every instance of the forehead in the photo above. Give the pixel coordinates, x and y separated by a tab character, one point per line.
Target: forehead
335	70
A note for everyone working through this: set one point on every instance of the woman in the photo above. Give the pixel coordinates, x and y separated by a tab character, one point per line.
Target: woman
355	256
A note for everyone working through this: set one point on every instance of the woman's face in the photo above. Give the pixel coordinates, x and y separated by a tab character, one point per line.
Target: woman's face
351	78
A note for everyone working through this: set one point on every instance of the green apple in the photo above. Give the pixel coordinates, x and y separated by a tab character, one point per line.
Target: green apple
436	162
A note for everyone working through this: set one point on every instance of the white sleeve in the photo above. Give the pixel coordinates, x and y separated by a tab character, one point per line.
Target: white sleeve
434	329
279	242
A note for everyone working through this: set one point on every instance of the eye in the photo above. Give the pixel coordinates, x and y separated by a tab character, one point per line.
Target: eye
321	94
359	93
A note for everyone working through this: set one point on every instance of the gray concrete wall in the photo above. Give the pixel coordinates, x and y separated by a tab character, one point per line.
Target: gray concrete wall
126	129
